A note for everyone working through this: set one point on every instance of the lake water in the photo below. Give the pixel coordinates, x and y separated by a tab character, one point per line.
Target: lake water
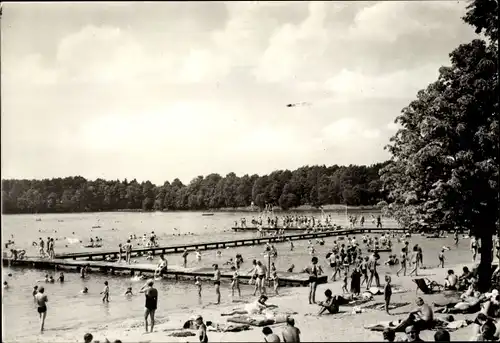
68	309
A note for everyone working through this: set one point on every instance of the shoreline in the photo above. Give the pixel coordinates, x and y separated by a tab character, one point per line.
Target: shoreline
313	328
302	208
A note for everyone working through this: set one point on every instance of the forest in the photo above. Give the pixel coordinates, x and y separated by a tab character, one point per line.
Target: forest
309	185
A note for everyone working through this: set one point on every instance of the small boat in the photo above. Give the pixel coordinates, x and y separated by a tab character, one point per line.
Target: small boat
207	214
92	246
96	226
38	219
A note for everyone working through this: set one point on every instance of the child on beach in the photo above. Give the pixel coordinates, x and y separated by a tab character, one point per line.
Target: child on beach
105	291
441	259
344	285
387	293
275	282
198	285
235	284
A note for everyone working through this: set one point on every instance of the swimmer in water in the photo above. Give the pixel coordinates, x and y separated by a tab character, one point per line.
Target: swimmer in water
61	277
51	279
35	291
85	290
41	300
129	291
5	285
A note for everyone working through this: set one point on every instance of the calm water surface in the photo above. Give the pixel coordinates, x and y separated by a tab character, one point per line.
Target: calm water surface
68	309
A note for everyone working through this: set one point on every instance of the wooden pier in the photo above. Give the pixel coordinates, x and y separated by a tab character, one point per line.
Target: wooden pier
311	230
147	269
102	255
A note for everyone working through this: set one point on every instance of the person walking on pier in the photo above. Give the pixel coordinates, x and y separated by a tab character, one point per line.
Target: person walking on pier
217	282
41	301
379	222
151	294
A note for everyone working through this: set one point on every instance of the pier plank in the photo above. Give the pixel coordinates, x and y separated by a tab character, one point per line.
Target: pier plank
177	272
102	254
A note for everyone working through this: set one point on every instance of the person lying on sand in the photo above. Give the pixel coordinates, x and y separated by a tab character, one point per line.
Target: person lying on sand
329	304
256	307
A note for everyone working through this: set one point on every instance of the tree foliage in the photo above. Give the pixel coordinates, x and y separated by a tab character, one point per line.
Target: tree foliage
443	173
315	185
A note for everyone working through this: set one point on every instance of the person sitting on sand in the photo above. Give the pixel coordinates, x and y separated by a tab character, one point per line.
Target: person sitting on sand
491	308
269	336
255	307
421	318
451	281
290	333
484	329
329	304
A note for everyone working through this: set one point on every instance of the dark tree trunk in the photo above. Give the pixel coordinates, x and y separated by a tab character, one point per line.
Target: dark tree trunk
484	270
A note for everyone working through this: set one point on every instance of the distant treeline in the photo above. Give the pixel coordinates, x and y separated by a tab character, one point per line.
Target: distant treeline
316	185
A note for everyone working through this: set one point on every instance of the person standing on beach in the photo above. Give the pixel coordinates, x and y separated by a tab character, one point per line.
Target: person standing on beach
474	248
372	268
41	301
291	333
387	293
217	282
151	303
314	272
415	260
402	260
455	237
105	292
235	283
441	259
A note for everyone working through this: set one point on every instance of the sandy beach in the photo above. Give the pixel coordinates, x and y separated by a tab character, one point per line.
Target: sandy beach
344	326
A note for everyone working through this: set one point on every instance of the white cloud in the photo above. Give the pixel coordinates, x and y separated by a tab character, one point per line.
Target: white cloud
140	86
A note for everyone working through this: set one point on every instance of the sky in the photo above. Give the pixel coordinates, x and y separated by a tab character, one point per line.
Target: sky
157	91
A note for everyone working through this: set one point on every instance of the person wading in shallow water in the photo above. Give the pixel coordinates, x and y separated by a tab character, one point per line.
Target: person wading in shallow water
41	301
151	304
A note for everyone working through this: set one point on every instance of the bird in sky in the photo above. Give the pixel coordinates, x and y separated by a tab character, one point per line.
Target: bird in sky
297	104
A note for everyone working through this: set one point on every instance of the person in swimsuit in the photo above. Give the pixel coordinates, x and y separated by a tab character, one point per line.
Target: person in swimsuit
474	248
105	292
269	336
235	284
61	277
162	267
261	272
128	251
253	271
185	257
330	304
151	303
217	282
35	291
202	330
198	285
290	333
403	262
314	272
41	301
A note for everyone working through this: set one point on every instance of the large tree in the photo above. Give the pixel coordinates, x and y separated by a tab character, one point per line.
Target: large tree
444	168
